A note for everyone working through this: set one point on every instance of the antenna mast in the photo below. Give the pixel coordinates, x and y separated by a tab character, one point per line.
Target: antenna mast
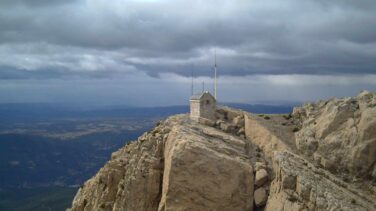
191	81
215	74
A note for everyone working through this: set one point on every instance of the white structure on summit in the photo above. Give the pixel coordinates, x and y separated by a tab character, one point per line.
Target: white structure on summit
203	106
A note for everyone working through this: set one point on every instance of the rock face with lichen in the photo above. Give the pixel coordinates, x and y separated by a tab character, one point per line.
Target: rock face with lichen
340	134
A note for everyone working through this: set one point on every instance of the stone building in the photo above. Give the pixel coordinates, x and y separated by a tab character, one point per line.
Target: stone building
203	106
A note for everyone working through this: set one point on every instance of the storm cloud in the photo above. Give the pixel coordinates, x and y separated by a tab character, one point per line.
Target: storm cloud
100	39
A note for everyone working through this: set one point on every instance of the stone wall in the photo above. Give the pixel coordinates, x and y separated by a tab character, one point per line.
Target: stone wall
195	110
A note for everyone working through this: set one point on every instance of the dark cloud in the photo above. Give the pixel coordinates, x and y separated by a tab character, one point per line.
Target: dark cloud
95	37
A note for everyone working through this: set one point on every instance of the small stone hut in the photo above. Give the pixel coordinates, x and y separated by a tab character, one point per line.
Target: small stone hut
203	106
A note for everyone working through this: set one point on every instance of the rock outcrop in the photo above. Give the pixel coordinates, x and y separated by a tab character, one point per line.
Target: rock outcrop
299	185
206	169
340	134
320	157
230	121
180	165
131	180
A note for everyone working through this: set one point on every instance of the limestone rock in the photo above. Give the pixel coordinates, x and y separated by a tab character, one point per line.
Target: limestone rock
261	177
231	121
288	181
239	121
260	197
299	185
179	165
232	114
204	174
259	166
131	180
221	114
207	122
226	127
241	131
218	123
341	133
182	165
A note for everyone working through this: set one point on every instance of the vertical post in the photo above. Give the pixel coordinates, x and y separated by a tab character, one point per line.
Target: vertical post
203	87
192	81
215	74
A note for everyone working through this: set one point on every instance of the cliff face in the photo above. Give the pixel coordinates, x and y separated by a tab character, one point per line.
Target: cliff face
246	162
131	180
180	165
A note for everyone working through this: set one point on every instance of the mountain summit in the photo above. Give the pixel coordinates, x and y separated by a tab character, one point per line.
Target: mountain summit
320	157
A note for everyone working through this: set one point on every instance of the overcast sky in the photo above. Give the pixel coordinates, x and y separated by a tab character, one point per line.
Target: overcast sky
142	52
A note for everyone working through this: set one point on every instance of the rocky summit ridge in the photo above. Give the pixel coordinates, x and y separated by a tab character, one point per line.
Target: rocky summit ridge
322	156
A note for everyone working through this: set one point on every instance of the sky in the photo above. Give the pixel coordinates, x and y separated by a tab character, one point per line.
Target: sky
144	52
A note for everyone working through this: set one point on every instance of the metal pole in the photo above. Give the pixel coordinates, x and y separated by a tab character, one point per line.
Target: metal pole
191	81
215	74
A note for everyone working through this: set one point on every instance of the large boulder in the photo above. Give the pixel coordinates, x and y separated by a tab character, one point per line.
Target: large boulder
261	177
206	174
261	197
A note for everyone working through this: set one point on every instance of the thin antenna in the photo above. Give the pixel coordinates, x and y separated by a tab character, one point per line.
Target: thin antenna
203	86
215	74
192	81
